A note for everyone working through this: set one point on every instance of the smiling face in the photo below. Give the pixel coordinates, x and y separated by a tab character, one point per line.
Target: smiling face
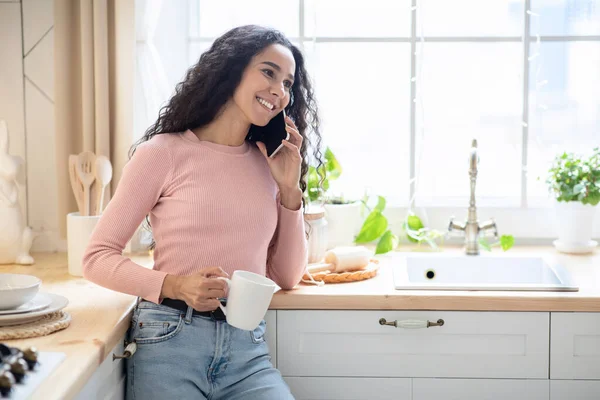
266	84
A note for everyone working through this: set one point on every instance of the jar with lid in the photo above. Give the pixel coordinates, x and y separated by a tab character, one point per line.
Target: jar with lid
316	228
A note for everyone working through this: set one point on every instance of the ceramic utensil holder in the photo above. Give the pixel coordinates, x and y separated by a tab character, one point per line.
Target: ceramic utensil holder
79	231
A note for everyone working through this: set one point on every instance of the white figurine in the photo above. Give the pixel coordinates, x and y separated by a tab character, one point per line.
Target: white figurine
15	237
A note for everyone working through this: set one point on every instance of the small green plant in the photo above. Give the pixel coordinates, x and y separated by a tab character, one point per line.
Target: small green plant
505	242
330	170
417	232
376	227
573	177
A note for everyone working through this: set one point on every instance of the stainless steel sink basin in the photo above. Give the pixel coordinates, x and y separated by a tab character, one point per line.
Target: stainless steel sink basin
439	271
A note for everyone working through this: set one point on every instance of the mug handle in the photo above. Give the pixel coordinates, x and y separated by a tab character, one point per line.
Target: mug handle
228	281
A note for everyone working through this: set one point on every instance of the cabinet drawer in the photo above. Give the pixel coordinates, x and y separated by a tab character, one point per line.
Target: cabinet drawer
110	374
574	390
481	389
349	388
575	346
469	344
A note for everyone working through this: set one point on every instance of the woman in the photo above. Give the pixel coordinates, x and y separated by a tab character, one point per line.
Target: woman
217	203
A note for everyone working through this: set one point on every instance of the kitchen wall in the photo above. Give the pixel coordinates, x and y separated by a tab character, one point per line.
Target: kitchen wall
27	105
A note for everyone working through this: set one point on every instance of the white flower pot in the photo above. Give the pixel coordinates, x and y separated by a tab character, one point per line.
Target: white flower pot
343	223
574	222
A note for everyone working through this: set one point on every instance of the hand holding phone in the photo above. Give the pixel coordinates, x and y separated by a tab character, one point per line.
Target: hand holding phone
273	134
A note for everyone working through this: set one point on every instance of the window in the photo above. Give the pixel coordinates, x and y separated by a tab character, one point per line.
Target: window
405	85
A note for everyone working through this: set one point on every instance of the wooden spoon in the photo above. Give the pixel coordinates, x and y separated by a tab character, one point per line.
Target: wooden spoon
104	173
86	171
75	182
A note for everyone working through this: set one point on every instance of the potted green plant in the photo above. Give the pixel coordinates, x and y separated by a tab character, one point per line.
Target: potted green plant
344	216
574	182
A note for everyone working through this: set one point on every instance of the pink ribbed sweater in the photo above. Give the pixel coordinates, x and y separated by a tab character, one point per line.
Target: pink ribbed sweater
209	205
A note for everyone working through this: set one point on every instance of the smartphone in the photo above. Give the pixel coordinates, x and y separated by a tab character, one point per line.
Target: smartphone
272	135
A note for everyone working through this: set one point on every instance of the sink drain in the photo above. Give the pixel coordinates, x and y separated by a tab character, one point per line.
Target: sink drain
430	274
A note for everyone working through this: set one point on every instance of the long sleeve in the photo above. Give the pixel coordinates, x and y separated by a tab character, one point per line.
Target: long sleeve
288	253
145	177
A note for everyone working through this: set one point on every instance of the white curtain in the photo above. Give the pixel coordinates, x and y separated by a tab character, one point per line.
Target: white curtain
93	102
151	79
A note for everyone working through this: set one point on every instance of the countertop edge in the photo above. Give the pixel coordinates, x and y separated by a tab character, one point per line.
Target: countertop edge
435	301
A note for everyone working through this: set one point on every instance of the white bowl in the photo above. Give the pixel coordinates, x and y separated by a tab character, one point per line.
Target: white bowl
17	289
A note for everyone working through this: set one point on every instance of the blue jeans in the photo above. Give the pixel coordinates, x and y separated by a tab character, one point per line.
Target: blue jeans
181	356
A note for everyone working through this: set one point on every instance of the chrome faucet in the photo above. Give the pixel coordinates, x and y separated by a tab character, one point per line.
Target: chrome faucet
471	227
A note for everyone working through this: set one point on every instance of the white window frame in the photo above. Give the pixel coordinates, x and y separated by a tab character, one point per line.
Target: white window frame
532	223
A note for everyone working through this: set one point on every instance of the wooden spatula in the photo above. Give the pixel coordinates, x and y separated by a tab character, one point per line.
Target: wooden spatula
103	177
86	171
76	185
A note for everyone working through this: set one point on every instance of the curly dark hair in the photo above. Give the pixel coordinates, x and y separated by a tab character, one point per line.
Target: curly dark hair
210	83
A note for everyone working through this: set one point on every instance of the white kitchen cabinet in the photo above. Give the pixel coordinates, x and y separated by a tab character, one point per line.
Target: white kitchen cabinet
108	382
574	390
320	388
317	343
575	345
480	389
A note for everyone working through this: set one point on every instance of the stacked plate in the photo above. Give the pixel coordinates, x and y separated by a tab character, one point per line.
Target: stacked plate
21	302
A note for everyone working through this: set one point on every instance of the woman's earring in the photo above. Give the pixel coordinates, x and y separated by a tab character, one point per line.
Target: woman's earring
291	99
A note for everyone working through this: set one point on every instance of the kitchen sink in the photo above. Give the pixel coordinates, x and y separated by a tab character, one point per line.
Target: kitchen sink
439	271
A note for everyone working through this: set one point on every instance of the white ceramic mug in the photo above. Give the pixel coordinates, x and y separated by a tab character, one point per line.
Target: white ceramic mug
79	230
248	299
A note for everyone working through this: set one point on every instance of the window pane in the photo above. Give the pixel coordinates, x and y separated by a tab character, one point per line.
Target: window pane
338	18
217	17
564	105
362	89
469	90
565	17
195	51
470	18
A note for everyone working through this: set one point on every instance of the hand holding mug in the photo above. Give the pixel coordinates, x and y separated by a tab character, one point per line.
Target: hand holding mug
202	290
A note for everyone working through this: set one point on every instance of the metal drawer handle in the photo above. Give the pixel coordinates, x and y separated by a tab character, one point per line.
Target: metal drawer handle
411	323
128	352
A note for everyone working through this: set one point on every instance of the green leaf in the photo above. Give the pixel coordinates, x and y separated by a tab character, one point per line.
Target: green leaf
592	198
332	165
312	184
580	187
373	227
380	203
388	242
485	244
506	242
414	223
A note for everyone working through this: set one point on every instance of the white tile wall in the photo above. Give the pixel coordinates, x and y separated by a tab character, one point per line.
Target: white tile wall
38	46
27	104
11	83
42	188
38	20
38	69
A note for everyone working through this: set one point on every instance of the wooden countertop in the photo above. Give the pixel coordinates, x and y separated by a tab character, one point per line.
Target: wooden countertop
100	317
